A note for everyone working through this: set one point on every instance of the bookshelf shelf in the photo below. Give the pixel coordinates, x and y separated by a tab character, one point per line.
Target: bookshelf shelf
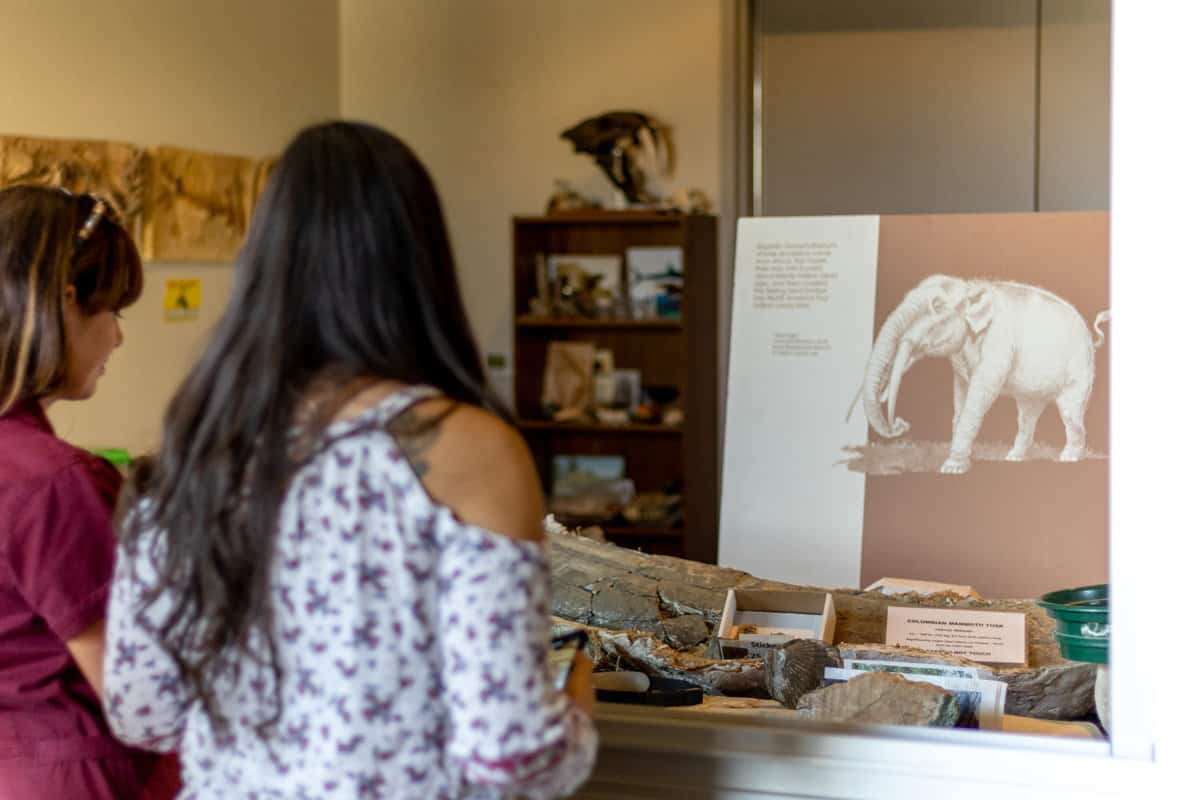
535	321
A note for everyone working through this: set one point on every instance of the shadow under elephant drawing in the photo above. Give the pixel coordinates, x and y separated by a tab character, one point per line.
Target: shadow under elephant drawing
1002	339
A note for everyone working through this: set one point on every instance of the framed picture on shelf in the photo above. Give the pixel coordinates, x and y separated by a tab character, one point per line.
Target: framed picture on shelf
654	276
574	474
606	267
588	285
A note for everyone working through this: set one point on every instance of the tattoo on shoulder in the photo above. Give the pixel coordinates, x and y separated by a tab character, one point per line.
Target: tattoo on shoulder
415	435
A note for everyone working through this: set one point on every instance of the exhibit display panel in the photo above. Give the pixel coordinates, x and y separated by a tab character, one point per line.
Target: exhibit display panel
920	396
1152	747
916	449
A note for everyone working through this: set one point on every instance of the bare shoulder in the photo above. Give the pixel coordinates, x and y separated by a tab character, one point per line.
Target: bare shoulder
473	462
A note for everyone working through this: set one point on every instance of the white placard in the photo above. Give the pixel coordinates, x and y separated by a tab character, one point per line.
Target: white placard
803	315
910	667
991	637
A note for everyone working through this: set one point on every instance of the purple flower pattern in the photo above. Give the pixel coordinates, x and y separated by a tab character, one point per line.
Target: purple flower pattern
412	649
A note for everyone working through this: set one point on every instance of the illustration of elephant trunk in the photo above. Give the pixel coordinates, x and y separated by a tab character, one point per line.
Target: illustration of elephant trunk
890	356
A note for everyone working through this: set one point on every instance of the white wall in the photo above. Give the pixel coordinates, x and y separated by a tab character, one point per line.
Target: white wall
219	75
482	89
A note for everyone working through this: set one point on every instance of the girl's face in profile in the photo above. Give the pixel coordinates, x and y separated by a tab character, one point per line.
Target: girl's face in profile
91	339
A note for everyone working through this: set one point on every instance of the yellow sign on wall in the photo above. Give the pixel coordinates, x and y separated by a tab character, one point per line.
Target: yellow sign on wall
181	300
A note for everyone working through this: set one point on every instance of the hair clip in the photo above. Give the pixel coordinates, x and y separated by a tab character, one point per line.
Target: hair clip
99	207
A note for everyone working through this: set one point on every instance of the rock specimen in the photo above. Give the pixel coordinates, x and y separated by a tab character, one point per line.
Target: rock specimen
646	611
621	649
1056	690
685	631
796	669
1104	697
881	698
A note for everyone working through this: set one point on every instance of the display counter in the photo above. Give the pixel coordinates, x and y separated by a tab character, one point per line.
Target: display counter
761	752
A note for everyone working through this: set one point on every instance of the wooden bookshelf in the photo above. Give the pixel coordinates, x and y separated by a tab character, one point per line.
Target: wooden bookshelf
678	352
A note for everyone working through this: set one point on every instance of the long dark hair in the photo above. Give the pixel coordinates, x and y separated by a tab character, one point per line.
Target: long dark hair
346	267
43	249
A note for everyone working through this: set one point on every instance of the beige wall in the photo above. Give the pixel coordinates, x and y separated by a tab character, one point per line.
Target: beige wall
481	90
220	75
241	77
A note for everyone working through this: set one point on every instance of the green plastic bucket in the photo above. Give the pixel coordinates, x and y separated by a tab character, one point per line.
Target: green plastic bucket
1080	622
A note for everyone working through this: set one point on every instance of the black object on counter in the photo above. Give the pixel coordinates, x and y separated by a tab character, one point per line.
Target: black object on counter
662	692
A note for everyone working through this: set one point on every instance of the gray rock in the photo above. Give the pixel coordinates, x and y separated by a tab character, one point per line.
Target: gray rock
881	698
683	598
614	608
628	584
1103	698
646	653
694	573
686	631
566	573
571	602
797	668
1053	691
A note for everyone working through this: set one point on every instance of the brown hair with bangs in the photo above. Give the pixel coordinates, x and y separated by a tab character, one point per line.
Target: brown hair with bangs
42	252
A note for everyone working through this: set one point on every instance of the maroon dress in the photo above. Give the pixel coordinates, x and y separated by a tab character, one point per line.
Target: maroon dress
56	559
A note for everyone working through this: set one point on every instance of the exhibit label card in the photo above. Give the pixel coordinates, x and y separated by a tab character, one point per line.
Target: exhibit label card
992	637
803	311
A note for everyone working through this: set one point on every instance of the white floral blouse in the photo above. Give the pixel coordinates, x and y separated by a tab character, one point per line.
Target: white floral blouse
412	649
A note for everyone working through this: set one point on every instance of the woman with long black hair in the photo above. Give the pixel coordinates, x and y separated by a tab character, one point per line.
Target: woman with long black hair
331	581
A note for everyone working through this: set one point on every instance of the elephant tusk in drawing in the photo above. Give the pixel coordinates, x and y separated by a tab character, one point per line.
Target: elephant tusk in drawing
1001	338
900	365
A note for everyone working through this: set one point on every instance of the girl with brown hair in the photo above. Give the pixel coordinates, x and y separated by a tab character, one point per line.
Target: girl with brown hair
67	268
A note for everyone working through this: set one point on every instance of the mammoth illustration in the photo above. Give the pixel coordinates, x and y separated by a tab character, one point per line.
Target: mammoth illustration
1002	338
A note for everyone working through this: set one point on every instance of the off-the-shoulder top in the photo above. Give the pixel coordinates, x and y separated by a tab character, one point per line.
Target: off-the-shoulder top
412	649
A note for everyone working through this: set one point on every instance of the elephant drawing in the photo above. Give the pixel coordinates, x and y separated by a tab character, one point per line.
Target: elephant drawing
1002	338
